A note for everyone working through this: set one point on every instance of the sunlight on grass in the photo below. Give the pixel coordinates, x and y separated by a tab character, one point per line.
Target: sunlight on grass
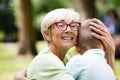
8	62
8	50
118	68
9	65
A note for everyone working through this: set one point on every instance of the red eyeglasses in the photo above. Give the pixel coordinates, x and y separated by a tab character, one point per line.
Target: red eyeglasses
63	26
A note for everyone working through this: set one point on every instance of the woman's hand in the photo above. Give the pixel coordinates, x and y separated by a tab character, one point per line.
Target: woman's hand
20	75
101	32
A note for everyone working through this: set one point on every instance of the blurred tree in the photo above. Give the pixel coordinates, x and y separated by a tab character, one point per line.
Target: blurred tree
87	9
27	36
44	6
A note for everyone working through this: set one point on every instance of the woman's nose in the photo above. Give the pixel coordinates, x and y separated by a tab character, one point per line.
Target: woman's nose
68	28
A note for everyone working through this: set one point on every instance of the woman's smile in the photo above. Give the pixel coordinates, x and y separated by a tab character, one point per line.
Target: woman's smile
67	38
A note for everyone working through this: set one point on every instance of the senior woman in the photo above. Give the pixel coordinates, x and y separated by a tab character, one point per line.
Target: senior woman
59	29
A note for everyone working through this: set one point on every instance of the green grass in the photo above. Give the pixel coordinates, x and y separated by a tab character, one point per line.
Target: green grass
118	68
9	65
8	62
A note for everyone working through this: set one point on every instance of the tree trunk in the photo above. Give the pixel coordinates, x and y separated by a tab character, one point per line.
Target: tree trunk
27	36
87	9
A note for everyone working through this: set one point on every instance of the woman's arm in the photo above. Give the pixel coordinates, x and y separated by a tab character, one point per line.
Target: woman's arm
102	33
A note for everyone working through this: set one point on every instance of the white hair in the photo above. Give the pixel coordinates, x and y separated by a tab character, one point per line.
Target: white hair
58	15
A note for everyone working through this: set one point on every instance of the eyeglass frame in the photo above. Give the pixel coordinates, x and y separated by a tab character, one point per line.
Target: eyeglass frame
56	23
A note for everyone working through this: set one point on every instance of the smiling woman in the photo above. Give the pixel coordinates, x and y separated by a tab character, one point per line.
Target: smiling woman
59	29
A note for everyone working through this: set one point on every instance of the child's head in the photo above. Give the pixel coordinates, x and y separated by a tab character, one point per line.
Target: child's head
85	39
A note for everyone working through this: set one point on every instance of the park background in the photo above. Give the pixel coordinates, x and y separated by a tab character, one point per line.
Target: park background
20	37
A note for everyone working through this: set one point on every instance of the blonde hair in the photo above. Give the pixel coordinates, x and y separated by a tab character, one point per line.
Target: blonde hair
58	15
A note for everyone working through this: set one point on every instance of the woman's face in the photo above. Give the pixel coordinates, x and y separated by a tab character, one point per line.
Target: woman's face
63	37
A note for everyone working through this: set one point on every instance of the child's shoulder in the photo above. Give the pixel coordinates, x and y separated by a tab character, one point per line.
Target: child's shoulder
77	58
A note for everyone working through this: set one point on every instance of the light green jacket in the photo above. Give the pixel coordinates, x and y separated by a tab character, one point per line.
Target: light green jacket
47	66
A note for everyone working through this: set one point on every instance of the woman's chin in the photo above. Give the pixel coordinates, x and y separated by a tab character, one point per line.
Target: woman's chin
68	46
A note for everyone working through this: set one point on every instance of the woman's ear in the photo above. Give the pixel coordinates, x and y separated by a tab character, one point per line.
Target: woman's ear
47	36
